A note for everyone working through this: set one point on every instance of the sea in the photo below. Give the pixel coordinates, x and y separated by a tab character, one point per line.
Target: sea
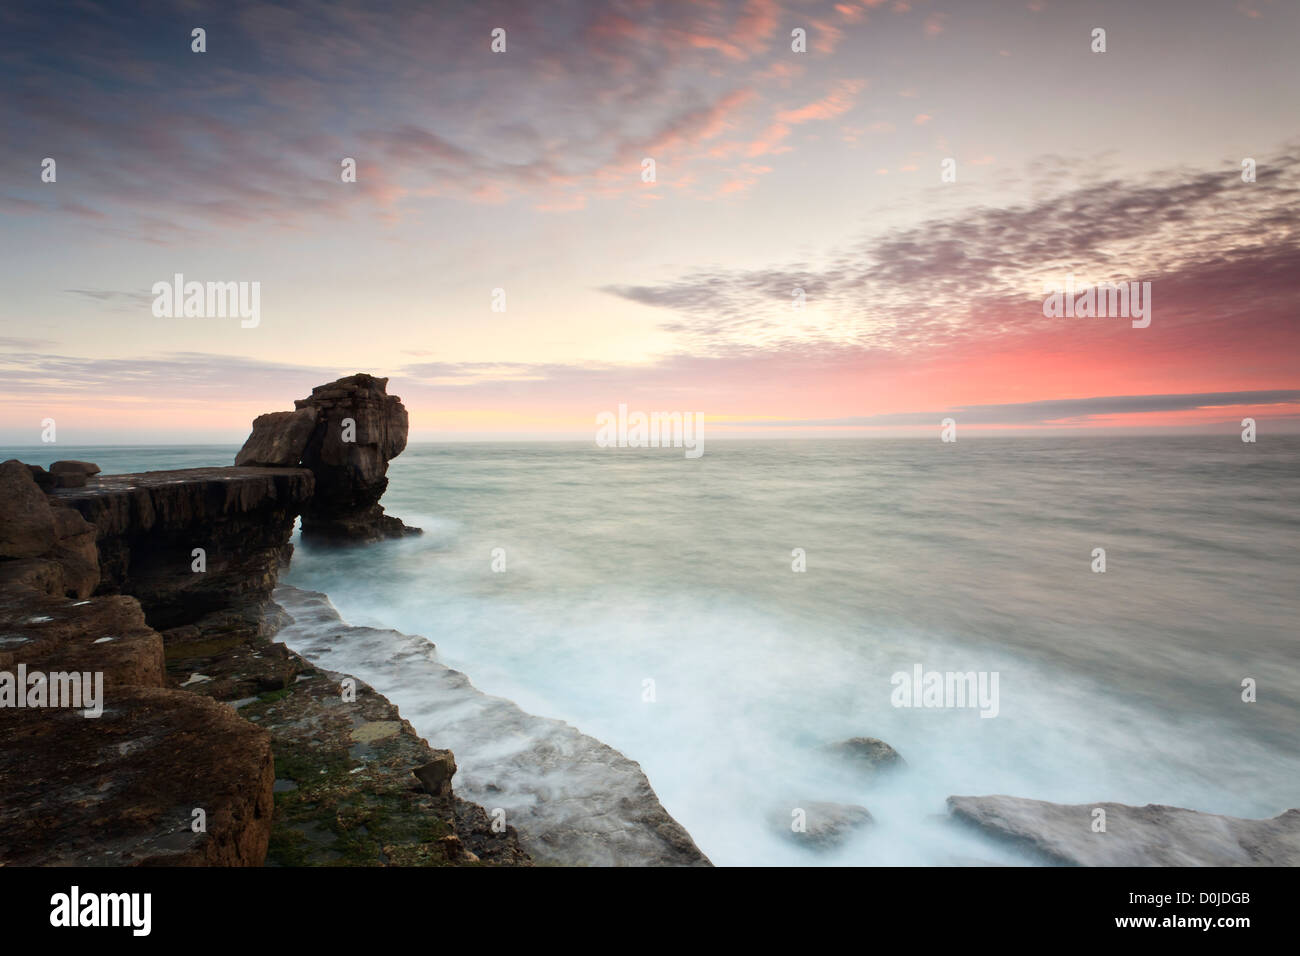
721	620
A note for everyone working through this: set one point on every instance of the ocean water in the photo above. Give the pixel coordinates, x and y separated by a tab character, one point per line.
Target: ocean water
636	570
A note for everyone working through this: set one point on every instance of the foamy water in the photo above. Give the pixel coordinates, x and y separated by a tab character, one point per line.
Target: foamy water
626	565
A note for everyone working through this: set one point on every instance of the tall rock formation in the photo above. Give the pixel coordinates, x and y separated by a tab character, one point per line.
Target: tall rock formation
346	432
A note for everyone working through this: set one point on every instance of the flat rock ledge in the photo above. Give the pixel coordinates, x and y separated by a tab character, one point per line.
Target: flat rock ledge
122	789
575	800
1153	835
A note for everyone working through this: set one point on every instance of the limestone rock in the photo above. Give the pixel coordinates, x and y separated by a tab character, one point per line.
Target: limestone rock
574	800
72	474
1153	835
32	528
435	776
71	467
26	525
104	634
120	790
278	439
346	432
148	526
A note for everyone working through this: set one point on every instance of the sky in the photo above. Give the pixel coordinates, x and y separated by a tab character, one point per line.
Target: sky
775	170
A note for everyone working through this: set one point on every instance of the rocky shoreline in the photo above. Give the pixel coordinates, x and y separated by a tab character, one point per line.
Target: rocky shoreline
215	743
164	701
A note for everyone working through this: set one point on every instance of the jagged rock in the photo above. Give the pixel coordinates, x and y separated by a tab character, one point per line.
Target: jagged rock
356	428
120	789
148	526
278	439
869	753
826	826
1153	835
435	777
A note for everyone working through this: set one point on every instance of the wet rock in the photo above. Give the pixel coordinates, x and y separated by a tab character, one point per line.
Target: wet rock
868	753
1153	835
574	799
349	801
817	824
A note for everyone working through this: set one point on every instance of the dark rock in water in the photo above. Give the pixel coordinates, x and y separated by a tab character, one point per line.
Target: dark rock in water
1153	835
870	753
346	432
279	439
817	824
435	777
149	525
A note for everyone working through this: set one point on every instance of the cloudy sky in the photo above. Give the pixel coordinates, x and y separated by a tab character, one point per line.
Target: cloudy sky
775	170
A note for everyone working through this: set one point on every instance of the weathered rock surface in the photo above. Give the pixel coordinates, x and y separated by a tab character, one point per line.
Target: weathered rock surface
345	790
825	826
346	432
573	799
71	474
120	790
279	439
43	545
868	753
148	526
1153	835
106	635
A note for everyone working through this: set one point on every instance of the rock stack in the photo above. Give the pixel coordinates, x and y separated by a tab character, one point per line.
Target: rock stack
346	432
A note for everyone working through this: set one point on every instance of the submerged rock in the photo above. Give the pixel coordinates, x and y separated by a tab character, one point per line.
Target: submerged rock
1153	835
818	824
346	432
869	753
